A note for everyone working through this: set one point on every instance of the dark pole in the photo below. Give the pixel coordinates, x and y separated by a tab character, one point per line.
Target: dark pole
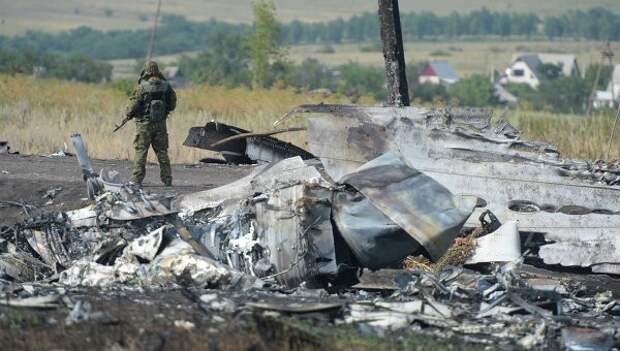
394	53
154	32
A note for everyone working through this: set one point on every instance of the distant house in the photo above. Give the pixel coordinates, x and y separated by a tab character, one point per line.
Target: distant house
175	76
525	68
612	93
438	72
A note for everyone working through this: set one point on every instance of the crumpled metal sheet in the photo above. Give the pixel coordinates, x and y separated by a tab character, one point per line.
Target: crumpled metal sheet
375	240
503	245
423	208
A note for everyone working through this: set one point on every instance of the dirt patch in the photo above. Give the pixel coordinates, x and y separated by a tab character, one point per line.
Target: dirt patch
28	178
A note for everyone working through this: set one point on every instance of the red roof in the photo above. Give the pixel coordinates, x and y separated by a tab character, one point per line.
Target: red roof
428	71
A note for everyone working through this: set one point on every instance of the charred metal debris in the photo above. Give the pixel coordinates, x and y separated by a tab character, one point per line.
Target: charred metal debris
438	187
239	146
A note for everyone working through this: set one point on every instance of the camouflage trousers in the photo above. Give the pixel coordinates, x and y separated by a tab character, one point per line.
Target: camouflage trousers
155	135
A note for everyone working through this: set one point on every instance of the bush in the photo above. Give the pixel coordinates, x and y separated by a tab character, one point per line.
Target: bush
125	86
356	80
71	67
429	92
224	62
474	91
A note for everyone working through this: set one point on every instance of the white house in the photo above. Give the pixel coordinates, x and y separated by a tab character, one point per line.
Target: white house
568	63
438	72
612	93
525	68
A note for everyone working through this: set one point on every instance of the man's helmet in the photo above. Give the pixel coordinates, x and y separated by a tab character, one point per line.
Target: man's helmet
150	70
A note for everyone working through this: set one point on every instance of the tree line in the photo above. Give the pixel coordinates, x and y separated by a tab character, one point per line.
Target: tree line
78	67
176	34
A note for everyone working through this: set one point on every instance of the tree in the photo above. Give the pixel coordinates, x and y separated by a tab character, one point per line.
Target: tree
356	80
565	94
224	61
312	74
264	45
474	91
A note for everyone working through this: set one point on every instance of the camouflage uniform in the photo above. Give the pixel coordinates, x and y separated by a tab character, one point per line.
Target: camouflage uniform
151	86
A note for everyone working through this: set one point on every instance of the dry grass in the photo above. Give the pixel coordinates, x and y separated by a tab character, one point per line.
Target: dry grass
38	116
576	136
460	251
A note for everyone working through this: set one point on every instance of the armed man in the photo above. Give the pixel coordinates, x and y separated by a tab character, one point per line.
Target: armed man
150	104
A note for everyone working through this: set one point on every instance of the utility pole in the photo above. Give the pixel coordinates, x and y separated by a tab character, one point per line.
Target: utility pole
154	32
606	55
393	53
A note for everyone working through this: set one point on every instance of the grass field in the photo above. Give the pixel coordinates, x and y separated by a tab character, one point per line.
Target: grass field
18	16
466	57
38	116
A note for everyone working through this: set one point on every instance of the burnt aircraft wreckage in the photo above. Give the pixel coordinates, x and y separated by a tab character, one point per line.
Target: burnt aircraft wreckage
387	183
288	222
560	206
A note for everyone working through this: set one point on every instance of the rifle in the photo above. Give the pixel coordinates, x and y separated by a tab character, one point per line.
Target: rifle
122	124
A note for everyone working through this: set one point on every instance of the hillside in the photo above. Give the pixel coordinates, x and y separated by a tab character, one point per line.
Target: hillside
19	16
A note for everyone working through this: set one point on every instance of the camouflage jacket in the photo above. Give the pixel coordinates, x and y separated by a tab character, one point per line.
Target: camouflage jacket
141	97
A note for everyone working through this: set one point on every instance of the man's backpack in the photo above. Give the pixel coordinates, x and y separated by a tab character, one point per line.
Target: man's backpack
155	109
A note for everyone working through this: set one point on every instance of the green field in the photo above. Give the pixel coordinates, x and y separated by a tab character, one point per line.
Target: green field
19	16
465	56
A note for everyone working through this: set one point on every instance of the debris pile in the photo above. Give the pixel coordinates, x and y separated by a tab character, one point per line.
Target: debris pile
388	185
498	308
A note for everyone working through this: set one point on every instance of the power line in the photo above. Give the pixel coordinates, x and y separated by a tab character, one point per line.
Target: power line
154	32
613	132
